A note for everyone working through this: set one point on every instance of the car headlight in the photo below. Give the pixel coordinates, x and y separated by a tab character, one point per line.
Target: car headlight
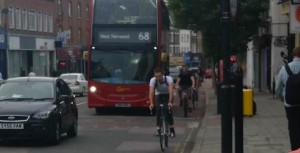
42	115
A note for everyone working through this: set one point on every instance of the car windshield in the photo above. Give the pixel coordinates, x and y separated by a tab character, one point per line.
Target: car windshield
24	91
69	77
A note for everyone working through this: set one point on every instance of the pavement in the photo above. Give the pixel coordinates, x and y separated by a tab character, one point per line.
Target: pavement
266	131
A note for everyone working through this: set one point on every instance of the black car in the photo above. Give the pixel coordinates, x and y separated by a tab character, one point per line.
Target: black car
37	107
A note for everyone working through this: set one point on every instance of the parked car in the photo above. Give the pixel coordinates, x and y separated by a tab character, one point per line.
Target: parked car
76	81
37	107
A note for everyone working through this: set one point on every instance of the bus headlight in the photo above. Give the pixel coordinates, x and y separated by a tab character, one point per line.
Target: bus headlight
93	89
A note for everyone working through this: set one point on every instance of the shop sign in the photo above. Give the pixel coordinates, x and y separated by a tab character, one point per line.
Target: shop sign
295	19
285	8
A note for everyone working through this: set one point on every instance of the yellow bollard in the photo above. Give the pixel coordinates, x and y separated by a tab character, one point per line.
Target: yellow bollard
248	102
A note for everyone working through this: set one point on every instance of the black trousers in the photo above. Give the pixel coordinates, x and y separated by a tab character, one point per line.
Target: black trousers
163	99
293	115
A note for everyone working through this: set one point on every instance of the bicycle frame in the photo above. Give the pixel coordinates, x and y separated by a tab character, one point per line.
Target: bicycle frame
185	100
164	127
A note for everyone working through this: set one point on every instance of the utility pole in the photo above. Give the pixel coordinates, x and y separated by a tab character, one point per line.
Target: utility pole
226	119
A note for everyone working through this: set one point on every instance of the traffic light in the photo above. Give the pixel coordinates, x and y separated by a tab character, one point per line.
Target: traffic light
62	63
233	59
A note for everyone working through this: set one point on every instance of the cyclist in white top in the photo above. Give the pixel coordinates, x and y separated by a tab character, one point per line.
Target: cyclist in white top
161	87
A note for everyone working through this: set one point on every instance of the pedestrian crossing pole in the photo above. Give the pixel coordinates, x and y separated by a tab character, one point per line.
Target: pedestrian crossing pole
226	119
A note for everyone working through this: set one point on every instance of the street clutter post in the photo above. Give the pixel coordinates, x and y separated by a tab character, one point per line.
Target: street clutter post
219	98
226	119
238	113
248	102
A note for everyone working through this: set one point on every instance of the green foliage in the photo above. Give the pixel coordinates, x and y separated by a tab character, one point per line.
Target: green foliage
204	16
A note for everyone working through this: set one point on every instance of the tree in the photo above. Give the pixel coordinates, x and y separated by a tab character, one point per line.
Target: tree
205	15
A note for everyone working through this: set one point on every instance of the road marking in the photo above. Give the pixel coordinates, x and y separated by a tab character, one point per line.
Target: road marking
186	141
81	103
193	125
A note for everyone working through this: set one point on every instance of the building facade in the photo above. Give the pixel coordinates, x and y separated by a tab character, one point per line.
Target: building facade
29	32
72	31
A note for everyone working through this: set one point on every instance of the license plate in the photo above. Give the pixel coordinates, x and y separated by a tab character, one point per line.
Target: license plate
122	105
11	126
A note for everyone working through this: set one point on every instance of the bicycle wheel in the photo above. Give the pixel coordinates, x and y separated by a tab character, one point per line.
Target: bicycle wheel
166	134
185	106
162	139
194	99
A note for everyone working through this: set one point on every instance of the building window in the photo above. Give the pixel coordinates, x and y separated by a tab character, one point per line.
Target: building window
45	22
18	18
32	20
11	17
70	9
171	37
24	19
79	10
87	12
50	23
71	35
59	7
3	12
79	36
40	22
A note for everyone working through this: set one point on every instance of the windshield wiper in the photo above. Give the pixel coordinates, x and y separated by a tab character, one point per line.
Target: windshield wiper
16	99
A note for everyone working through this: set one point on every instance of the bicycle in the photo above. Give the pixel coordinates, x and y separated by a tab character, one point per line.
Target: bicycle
185	100
163	131
194	97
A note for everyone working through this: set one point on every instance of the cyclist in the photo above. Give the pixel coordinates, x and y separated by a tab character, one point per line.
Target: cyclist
201	75
162	87
184	80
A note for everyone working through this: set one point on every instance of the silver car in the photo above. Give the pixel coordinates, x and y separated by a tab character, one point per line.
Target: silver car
76	82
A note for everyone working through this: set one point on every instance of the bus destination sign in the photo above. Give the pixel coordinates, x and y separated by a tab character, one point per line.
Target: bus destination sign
124	37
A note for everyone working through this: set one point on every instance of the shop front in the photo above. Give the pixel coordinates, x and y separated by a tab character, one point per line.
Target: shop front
28	54
69	60
3	48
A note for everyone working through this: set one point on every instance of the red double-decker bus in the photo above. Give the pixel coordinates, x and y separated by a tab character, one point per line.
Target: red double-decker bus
128	39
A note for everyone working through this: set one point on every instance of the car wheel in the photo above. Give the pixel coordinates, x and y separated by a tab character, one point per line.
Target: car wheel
82	92
72	132
55	134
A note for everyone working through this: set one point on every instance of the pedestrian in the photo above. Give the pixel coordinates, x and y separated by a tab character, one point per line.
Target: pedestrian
287	89
54	73
22	73
31	73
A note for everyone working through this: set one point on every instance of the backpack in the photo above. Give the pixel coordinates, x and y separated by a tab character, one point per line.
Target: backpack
292	87
166	82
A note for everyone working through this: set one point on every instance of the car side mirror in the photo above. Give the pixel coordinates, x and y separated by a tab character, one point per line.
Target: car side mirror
62	98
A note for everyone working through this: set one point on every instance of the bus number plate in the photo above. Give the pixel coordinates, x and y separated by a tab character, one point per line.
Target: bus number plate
122	105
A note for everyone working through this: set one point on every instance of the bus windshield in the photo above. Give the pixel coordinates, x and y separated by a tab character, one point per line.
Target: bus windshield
125	12
121	67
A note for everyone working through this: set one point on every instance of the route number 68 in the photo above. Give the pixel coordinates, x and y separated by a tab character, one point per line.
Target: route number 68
144	36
